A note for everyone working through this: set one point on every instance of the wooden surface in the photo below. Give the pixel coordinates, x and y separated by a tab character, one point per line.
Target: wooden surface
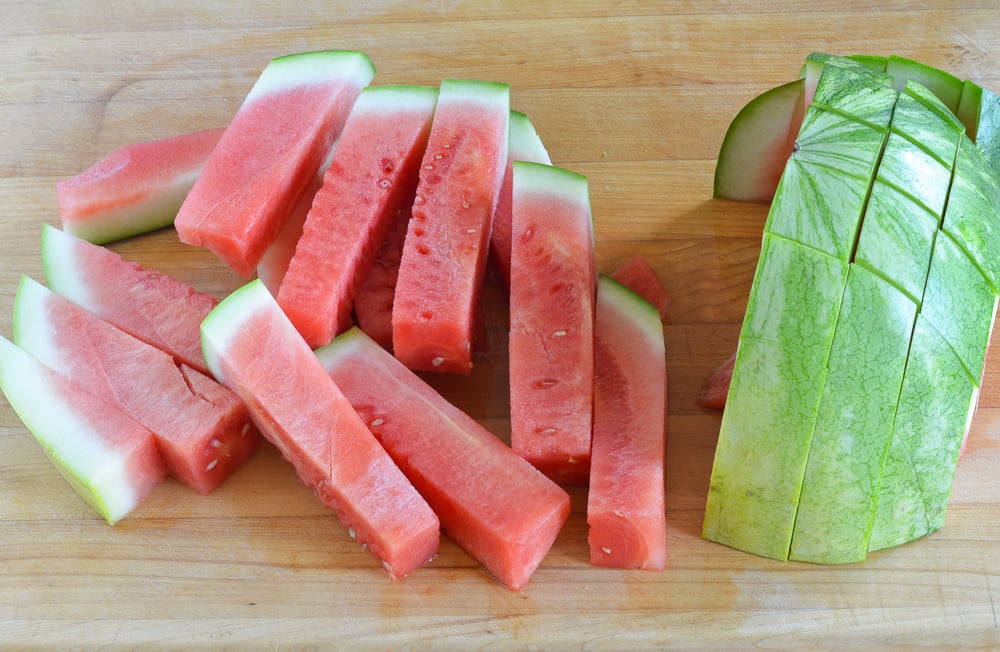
635	95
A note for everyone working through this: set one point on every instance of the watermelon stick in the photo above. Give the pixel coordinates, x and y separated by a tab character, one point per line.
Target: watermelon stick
626	501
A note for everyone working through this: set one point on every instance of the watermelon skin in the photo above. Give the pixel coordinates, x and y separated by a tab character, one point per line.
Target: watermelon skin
524	145
134	189
108	458
445	251
153	307
552	293
252	347
202	429
269	153
373	172
376	295
495	505
626	502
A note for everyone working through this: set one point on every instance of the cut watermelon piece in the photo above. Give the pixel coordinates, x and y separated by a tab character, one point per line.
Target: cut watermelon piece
252	347
715	389
553	283
202	429
444	255
155	308
269	153
495	505
626	504
638	276
524	145
373	173
376	295
134	189
105	455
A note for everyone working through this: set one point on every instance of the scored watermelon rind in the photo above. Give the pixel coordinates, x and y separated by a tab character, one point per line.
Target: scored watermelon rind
305	68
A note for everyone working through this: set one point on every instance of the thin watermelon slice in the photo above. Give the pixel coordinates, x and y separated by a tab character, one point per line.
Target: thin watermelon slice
269	153
150	306
715	389
373	173
376	295
444	255
494	504
525	145
638	276
626	505
553	282
105	455
134	189
252	347
202	429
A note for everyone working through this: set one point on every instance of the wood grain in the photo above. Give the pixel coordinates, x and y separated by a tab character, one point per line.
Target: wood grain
635	95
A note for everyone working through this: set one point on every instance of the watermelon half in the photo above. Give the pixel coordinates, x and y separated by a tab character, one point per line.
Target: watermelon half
269	153
494	504
106	456
252	347
134	189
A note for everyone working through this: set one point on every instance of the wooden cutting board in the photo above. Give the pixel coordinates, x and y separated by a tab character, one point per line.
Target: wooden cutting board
635	95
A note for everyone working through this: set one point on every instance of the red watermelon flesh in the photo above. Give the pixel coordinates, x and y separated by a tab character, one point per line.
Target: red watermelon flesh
638	276
253	348
525	145
715	390
626	508
134	189
373	302
444	255
552	287
269	153
494	504
108	458
153	307
202	429
372	174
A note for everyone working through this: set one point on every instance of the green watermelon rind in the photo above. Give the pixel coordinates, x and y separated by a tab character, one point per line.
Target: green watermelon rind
628	302
525	143
226	322
306	68
393	98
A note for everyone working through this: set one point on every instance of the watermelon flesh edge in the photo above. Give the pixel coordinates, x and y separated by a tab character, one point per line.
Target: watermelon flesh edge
134	189
495	505
269	153
151	306
626	503
252	347
201	428
552	291
373	173
444	254
108	458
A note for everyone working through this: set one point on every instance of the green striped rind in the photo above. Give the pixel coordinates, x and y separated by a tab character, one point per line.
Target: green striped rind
946	86
486	92
539	178
922	117
847	449
987	135
972	217
640	312
935	404
838	141
393	98
525	143
771	410
305	68
896	239
857	91
959	303
834	200
911	169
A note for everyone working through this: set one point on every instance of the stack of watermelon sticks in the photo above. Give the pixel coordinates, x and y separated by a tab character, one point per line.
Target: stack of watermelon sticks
363	218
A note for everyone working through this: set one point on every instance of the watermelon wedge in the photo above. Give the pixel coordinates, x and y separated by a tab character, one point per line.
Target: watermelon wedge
553	283
105	455
202	429
252	347
626	508
444	255
134	189
638	276
524	145
495	505
373	173
153	307
269	153
376	295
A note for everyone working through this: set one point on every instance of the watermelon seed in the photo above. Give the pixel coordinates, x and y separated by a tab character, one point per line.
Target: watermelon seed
351	533
246	428
545	383
559	334
437	361
387	566
216	443
384	183
606	550
377	422
211	465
